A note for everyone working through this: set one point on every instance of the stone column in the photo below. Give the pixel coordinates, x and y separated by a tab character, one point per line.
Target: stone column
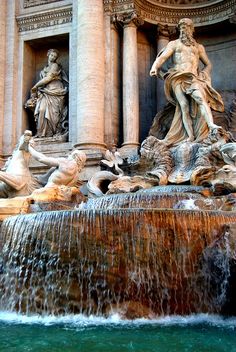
163	34
130	85
112	82
2	71
11	89
90	71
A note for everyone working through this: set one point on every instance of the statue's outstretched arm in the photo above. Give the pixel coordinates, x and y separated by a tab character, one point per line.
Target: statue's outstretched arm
161	59
50	161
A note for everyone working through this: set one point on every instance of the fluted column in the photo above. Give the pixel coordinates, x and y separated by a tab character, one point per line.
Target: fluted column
130	84
163	37
90	82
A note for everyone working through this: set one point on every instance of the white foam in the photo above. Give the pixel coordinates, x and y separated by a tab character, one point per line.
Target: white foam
83	321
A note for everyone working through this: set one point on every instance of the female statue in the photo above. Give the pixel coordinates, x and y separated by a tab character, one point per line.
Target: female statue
48	98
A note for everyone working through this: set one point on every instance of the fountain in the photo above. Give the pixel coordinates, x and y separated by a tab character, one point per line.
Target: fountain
135	261
154	237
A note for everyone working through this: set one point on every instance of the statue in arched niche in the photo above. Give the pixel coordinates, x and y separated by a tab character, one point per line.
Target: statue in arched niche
188	87
48	99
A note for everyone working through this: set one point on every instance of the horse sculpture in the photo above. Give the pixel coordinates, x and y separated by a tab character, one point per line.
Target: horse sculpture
15	178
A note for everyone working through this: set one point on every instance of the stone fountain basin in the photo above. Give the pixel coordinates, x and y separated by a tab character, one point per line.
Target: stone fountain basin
137	262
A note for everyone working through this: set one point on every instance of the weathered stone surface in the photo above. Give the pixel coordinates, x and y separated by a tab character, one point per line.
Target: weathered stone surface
127	184
57	194
14	206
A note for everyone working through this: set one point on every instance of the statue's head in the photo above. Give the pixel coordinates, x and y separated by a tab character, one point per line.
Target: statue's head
27	135
186	29
79	156
24	140
53	54
186	22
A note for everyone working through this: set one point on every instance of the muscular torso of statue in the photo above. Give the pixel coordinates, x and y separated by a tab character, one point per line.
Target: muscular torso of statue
186	58
64	174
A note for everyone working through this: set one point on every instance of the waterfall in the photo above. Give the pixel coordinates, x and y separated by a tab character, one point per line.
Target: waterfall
154	199
138	262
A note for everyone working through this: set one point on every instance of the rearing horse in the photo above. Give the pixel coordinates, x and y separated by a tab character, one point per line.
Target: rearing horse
16	179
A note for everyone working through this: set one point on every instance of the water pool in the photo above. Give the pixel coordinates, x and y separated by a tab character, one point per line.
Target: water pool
199	333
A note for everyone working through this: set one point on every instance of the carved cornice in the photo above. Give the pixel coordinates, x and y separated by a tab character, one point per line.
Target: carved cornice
44	19
164	12
201	15
183	3
32	3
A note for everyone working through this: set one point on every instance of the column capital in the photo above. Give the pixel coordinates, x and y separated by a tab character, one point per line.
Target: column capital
165	31
129	19
233	19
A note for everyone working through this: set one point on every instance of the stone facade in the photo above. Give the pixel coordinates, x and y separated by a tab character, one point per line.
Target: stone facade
106	48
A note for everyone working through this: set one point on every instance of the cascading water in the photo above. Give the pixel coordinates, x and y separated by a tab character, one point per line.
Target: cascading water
142	199
138	262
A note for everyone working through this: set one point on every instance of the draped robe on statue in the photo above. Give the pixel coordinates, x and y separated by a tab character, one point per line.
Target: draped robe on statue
189	82
51	102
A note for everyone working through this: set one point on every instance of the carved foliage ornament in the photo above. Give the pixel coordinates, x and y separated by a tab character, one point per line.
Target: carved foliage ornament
128	18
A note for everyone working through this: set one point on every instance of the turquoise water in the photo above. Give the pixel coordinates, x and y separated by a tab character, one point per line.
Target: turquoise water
201	333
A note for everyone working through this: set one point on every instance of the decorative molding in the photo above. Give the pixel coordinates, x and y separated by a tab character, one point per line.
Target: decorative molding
201	16
183	3
164	12
233	19
117	6
31	3
165	30
44	19
129	18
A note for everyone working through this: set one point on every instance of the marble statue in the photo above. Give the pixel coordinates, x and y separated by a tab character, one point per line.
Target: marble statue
187	87
48	98
16	178
228	152
65	171
61	182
